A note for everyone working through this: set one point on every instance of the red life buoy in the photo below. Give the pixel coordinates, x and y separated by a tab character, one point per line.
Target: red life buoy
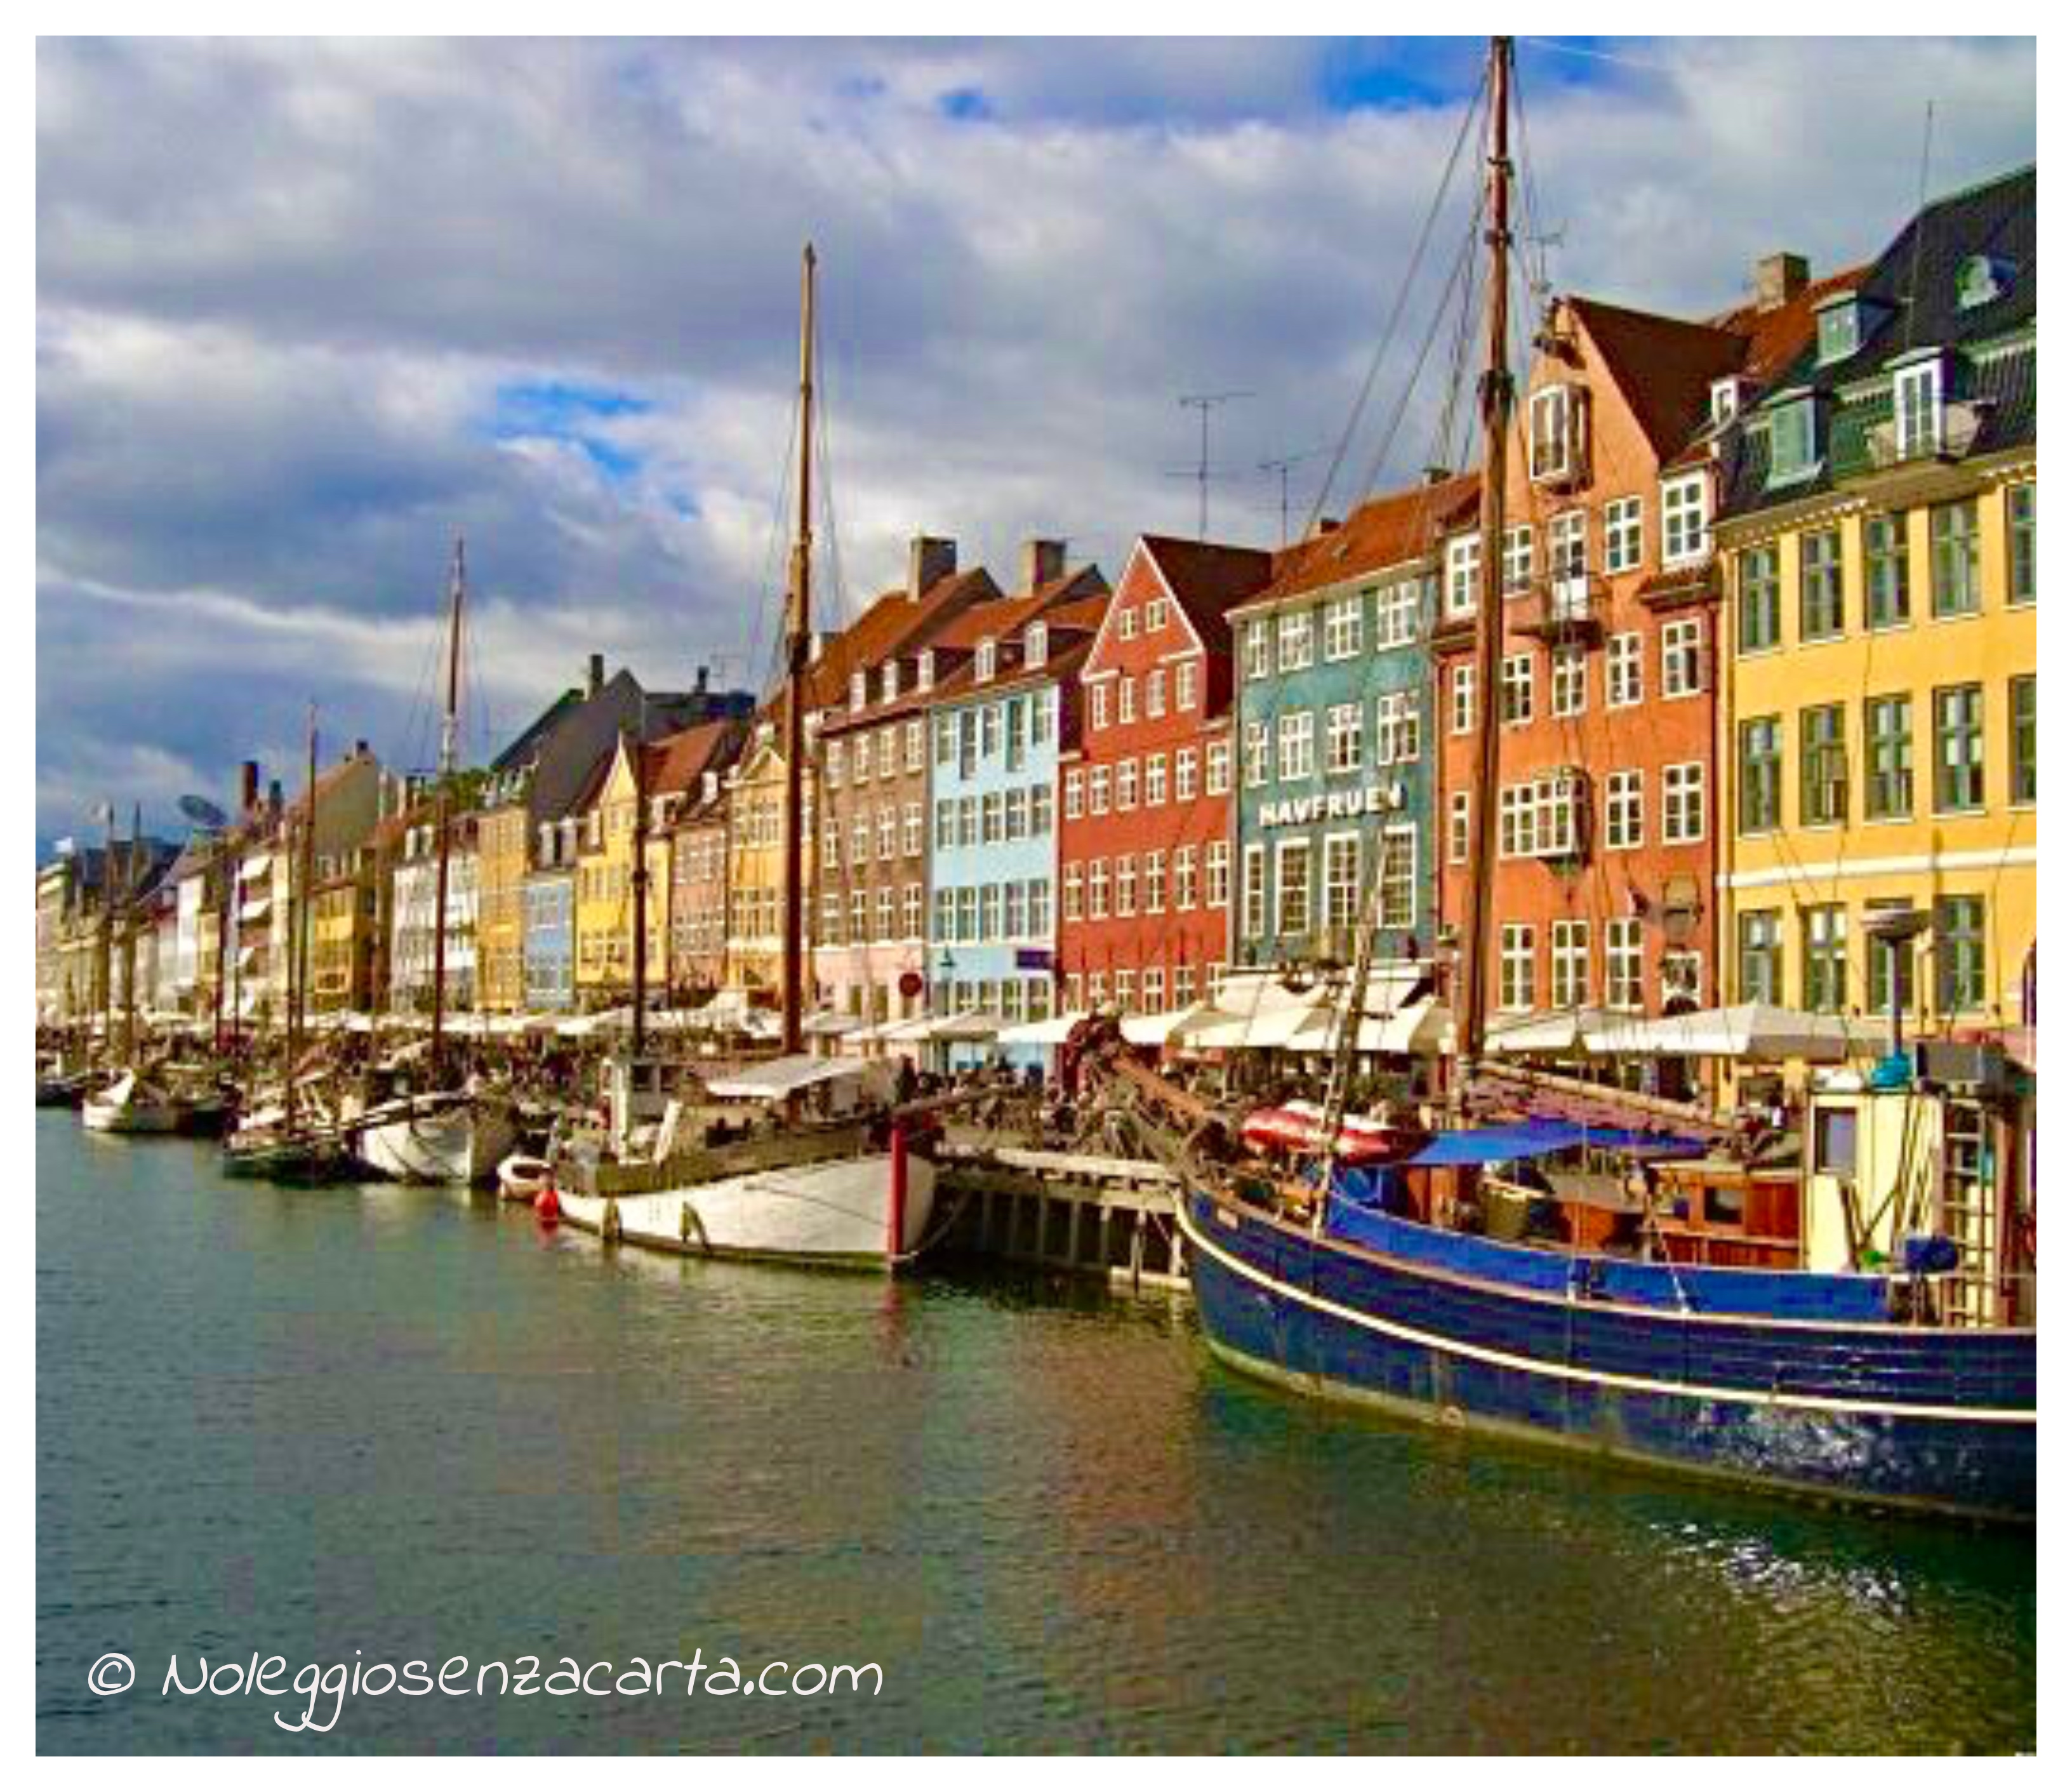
546	1205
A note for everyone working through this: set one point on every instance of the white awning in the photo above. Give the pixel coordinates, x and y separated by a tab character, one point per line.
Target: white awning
255	910
1173	1026
1559	1032
1052	1032
778	1077
974	1027
829	1024
1754	1031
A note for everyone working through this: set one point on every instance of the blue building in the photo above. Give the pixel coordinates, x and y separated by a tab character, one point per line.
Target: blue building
550	938
996	728
1336	757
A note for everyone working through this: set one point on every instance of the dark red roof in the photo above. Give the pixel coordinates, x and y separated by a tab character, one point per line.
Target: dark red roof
677	762
1664	368
1207	580
1387	530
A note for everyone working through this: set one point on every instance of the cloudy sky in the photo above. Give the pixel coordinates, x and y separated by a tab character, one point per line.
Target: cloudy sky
306	311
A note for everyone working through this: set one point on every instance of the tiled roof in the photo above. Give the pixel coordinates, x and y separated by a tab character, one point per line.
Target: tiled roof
676	762
1663	367
894	623
1776	336
1383	532
1208	579
1909	297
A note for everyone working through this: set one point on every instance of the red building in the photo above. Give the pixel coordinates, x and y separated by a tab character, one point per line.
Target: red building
1145	877
1609	793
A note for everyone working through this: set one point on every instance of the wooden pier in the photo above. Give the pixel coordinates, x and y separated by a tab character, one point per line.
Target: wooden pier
1108	1217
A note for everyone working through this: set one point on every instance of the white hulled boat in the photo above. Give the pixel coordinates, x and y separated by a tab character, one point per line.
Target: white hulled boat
132	1104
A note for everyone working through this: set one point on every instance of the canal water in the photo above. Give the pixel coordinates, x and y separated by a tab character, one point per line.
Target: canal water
356	1426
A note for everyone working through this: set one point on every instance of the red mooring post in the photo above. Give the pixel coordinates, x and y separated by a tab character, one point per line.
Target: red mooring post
895	1223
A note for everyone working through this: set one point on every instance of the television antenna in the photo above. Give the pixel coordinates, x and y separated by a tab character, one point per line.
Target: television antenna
1205	402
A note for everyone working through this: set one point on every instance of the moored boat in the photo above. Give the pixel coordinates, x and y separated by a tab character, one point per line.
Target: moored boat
437	1138
131	1104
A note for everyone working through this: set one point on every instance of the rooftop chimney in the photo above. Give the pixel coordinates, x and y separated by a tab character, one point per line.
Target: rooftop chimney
929	557
700	685
1779	278
248	786
1437	475
594	681
359	750
1325	525
1041	561
273	796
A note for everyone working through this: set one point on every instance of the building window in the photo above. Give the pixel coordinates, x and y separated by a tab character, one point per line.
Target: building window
1125	787
1622	534
1824	767
1794	452
2021	738
1154	693
1626	810
1097	704
1761	600
1553	433
1570	668
1342	626
1125	701
1623	678
1399	875
1296	653
1154	780
1258	651
1186	887
1684	656
1076	795
1185	762
1075	891
1514	974
1891	962
1517	689
2021	543
1341	737
1464	563
1684	536
1622	966
1125	885
1254	891
1538	818
910	911
1761	957
1125	623
1341	880
1460	817
1887	756
1683	803
1568	545
1185	682
1395	728
1396	613
1217	870
1761	809
1960	954
1218	782
1154	883
1820	612
1258	751
1154	615
1462	706
1887	601
1960	748
1298	746
1097	890
1837	332
1826	956
1291	869
1517	559
1571	943
1953	537
1917	408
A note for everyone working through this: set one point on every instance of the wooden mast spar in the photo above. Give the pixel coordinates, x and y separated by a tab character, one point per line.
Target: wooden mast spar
798	638
1497	401
449	736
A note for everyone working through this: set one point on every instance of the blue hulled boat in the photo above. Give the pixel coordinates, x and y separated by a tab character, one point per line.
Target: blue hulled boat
1794	1380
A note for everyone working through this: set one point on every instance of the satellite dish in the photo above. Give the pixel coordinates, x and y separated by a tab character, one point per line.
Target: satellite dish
202	812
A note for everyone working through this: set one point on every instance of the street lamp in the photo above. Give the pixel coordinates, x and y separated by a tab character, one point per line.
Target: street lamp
1895	927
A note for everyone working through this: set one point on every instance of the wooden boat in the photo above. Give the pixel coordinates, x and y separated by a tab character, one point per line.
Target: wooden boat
437	1138
522	1176
131	1104
1893	1385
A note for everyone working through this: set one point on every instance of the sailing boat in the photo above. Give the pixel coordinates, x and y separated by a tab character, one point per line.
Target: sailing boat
1849	1386
456	1134
817	1194
134	1103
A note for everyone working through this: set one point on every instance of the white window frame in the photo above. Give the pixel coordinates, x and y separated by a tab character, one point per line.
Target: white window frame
1625	525
1686	519
1916	432
1626	809
1683	803
1569	681
1343	743
1343	618
1684	657
1464	561
1624	680
1296	641
1461	699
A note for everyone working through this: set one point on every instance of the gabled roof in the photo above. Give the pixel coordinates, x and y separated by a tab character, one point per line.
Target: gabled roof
526	749
894	623
1776	336
675	764
1391	530
1207	580
1663	367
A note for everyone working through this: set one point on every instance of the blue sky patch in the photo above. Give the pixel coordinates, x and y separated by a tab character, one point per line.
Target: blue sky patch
967	104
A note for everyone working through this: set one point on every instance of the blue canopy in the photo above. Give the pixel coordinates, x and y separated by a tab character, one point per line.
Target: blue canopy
1540	1138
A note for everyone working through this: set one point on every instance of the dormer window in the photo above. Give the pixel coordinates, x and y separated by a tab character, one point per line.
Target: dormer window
859	689
926	670
1839	330
1795	445
987	660
1981	280
888	681
708	786
1727	398
1917	408
1035	644
1556	439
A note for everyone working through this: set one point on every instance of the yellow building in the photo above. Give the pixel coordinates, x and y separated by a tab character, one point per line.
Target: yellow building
1878	672
342	934
604	886
500	948
755	870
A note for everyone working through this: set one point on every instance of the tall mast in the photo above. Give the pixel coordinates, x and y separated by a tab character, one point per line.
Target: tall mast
106	952
1497	399
636	749
449	736
798	635
298	916
130	879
